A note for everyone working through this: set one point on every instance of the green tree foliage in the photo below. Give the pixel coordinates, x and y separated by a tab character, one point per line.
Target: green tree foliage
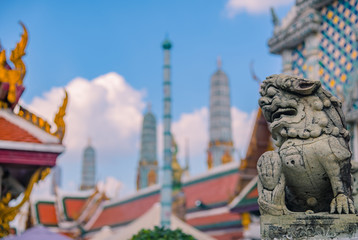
161	233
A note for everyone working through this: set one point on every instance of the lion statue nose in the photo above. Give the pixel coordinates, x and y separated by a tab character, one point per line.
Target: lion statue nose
264	101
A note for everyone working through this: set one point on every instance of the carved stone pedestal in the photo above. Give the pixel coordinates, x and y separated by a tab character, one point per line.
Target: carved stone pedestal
310	226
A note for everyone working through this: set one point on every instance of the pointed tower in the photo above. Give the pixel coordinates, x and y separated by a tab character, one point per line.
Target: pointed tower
166	190
88	168
56	178
148	164
220	149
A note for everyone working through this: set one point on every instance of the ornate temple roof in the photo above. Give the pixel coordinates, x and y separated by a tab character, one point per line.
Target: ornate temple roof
151	218
28	148
247	198
11	132
122	211
22	125
215	200
260	142
303	19
306	20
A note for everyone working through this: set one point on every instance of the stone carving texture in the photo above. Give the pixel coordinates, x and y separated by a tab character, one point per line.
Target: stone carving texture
310	169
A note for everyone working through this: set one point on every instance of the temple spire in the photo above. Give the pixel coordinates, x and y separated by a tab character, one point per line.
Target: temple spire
220	149
147	174
275	19
88	179
219	62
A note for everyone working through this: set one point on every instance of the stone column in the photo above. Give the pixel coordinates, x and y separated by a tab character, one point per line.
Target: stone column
166	190
286	61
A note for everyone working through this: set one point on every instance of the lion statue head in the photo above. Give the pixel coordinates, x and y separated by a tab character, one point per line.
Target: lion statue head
296	107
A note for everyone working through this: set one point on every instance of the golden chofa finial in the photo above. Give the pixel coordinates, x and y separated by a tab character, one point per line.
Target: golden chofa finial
60	123
11	78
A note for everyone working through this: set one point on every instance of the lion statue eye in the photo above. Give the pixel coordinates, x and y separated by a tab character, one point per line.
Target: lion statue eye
271	91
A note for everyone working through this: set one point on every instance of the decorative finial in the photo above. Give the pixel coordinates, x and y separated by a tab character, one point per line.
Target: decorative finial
59	119
275	19
219	62
89	141
149	107
14	76
166	44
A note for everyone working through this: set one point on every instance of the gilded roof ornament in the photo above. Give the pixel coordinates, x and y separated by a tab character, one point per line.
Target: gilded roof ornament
60	123
12	78
8	213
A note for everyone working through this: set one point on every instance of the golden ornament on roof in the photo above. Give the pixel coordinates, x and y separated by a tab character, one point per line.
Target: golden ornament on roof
60	123
8	213
13	76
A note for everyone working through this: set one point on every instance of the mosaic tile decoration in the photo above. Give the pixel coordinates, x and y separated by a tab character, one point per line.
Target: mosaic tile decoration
299	66
338	45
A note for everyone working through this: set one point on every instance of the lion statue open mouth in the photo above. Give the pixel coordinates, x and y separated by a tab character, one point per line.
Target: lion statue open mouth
310	170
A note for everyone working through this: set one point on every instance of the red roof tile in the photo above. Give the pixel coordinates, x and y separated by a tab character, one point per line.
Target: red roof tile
125	212
211	191
12	132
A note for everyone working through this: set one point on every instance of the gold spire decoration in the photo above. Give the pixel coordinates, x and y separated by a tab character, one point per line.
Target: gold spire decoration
60	123
14	77
152	177
7	214
176	168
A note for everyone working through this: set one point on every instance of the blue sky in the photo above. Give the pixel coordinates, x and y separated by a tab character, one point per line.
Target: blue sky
88	39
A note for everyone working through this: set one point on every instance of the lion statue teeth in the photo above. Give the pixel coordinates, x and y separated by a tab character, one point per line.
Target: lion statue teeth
310	170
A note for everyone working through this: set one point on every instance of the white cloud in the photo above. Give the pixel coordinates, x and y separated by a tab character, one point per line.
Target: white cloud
110	187
234	7
192	127
242	125
109	110
106	109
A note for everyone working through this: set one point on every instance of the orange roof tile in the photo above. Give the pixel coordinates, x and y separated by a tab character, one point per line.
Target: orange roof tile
46	213
12	132
73	206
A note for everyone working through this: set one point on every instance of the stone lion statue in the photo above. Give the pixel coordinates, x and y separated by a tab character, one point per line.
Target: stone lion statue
310	169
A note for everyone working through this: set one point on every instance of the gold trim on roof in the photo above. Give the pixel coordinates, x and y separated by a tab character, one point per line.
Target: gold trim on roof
60	123
43	124
34	119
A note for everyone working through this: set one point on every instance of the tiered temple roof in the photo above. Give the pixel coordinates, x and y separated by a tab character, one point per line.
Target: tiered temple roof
217	201
28	148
